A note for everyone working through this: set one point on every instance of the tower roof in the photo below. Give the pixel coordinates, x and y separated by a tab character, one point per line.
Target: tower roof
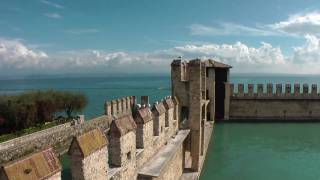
38	165
159	108
208	63
216	64
90	142
122	126
143	115
168	103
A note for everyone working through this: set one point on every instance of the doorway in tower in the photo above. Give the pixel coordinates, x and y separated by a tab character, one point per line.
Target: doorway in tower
220	78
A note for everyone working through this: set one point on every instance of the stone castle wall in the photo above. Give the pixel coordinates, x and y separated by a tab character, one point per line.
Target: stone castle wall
124	159
99	159
60	136
275	103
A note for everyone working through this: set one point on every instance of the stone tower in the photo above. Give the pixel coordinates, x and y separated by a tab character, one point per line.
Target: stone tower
199	86
89	156
122	152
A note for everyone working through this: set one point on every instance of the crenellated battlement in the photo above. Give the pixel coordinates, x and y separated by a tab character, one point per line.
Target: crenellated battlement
273	102
270	90
117	145
119	106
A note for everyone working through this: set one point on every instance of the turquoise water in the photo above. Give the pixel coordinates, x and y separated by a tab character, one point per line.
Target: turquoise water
264	151
240	151
97	89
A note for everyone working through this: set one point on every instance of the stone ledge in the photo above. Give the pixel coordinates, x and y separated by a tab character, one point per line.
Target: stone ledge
113	172
275	97
272	119
190	175
158	162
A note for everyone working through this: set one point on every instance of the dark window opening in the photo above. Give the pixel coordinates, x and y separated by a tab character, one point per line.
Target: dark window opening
129	155
221	78
184	113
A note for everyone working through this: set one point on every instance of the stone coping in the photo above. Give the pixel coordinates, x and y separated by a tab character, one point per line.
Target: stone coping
139	152
113	171
12	142
159	161
272	119
36	135
204	102
275	97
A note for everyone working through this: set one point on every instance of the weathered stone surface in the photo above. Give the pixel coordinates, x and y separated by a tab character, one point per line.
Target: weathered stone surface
275	109
89	156
58	137
278	106
92	167
166	164
38	165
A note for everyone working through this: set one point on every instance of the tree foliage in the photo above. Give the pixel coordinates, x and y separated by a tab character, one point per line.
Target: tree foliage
37	107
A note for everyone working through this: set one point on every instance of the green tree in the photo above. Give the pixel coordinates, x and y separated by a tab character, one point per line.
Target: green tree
73	102
37	107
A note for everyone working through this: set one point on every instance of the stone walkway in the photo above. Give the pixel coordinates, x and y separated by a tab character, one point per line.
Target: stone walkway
188	175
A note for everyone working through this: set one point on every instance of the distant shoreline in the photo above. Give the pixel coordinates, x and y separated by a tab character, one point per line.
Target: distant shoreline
118	75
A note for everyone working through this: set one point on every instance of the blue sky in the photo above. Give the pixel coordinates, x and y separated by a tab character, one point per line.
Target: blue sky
56	36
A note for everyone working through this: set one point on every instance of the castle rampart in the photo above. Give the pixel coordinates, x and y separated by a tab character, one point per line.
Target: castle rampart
60	136
136	136
274	102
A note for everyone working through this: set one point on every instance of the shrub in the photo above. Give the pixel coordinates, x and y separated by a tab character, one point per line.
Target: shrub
37	107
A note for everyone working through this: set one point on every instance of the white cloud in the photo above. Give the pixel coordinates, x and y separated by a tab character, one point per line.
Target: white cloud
14	54
296	25
235	53
226	29
309	52
52	4
300	24
53	15
17	57
81	31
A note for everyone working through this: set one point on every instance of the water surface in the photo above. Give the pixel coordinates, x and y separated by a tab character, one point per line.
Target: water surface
264	151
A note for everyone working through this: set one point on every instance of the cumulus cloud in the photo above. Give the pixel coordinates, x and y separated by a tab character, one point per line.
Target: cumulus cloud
300	24
235	53
14	54
309	52
16	57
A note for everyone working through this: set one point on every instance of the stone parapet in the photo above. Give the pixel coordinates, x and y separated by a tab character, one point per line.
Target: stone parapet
135	134
267	91
119	106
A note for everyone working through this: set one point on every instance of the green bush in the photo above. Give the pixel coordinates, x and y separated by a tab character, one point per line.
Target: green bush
37	107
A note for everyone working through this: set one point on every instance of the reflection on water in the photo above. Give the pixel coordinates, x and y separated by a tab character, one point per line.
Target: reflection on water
264	151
